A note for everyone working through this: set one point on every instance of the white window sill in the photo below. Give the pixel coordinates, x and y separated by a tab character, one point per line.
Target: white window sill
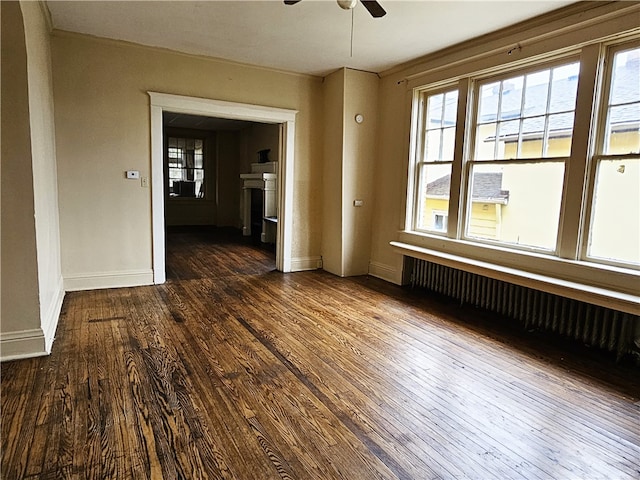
609	287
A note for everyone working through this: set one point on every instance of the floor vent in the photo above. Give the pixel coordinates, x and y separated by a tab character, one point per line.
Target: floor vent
592	325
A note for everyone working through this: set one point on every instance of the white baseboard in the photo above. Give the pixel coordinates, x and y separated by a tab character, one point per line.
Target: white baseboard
306	263
51	317
22	344
35	342
94	281
385	272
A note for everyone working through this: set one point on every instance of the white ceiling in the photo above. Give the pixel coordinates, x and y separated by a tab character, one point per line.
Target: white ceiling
313	36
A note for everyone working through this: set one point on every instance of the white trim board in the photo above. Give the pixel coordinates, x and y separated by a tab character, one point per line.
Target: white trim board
301	264
93	281
22	344
161	102
585	293
385	272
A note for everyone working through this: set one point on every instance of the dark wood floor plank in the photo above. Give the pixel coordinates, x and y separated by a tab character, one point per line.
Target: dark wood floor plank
232	370
265	379
469	381
405	420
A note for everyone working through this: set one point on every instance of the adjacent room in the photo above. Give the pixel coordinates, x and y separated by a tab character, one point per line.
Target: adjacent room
320	239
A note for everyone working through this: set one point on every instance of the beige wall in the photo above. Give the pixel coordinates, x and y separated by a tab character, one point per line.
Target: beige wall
229	185
102	129
361	97
332	174
32	290
256	137
261	136
348	170
391	167
20	302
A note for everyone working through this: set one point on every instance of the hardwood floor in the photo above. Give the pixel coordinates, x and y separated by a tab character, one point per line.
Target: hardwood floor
233	370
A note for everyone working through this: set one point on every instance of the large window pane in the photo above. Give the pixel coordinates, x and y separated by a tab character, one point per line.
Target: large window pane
511	102
516	203
434	161
625	87
615	224
560	131
564	88
622	131
435	181
440	128
521	115
535	97
486	141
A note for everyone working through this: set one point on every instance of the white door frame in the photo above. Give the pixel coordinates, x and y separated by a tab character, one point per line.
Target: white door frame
161	102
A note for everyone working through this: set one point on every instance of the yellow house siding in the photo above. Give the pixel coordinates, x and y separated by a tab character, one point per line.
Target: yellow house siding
484	220
431	207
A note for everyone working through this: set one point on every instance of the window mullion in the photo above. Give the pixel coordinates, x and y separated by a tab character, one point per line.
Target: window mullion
458	177
498	120
521	123
419	162
573	214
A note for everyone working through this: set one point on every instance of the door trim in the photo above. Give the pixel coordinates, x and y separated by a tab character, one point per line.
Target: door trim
164	102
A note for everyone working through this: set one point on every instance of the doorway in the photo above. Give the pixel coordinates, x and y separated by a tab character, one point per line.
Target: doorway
160	103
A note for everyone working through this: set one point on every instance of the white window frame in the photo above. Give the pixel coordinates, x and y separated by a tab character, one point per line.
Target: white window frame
598	155
565	273
419	162
470	161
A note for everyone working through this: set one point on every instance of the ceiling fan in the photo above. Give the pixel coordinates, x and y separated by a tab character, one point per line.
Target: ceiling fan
372	6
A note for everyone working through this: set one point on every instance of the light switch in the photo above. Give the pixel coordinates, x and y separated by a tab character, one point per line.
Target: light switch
358	203
133	174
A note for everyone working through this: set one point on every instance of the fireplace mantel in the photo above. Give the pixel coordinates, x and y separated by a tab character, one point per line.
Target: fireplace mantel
263	176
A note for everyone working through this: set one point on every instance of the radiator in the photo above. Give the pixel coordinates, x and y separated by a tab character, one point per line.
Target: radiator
592	325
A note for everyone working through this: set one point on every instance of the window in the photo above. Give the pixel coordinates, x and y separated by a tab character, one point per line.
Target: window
614	234
436	156
440	221
523	132
511	180
185	162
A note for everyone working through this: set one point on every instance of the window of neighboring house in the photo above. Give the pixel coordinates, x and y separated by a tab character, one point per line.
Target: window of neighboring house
435	148
614	229
186	171
523	131
440	221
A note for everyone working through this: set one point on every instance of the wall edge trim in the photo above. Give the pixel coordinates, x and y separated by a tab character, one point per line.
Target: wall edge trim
385	272
300	264
22	344
99	280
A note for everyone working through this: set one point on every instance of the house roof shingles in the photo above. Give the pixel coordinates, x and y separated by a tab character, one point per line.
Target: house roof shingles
486	186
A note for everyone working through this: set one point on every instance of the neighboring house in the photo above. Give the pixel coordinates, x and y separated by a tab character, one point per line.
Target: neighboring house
488	200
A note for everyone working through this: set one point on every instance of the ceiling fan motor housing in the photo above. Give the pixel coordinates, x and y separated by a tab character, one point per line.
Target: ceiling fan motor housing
347	4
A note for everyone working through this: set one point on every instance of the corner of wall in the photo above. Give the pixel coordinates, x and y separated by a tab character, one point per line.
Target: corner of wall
388	273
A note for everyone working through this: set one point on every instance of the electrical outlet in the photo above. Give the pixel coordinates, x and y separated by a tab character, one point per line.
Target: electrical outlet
144	182
133	174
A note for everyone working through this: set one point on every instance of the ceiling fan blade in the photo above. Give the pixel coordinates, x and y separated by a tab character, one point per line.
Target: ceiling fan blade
291	2
374	8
